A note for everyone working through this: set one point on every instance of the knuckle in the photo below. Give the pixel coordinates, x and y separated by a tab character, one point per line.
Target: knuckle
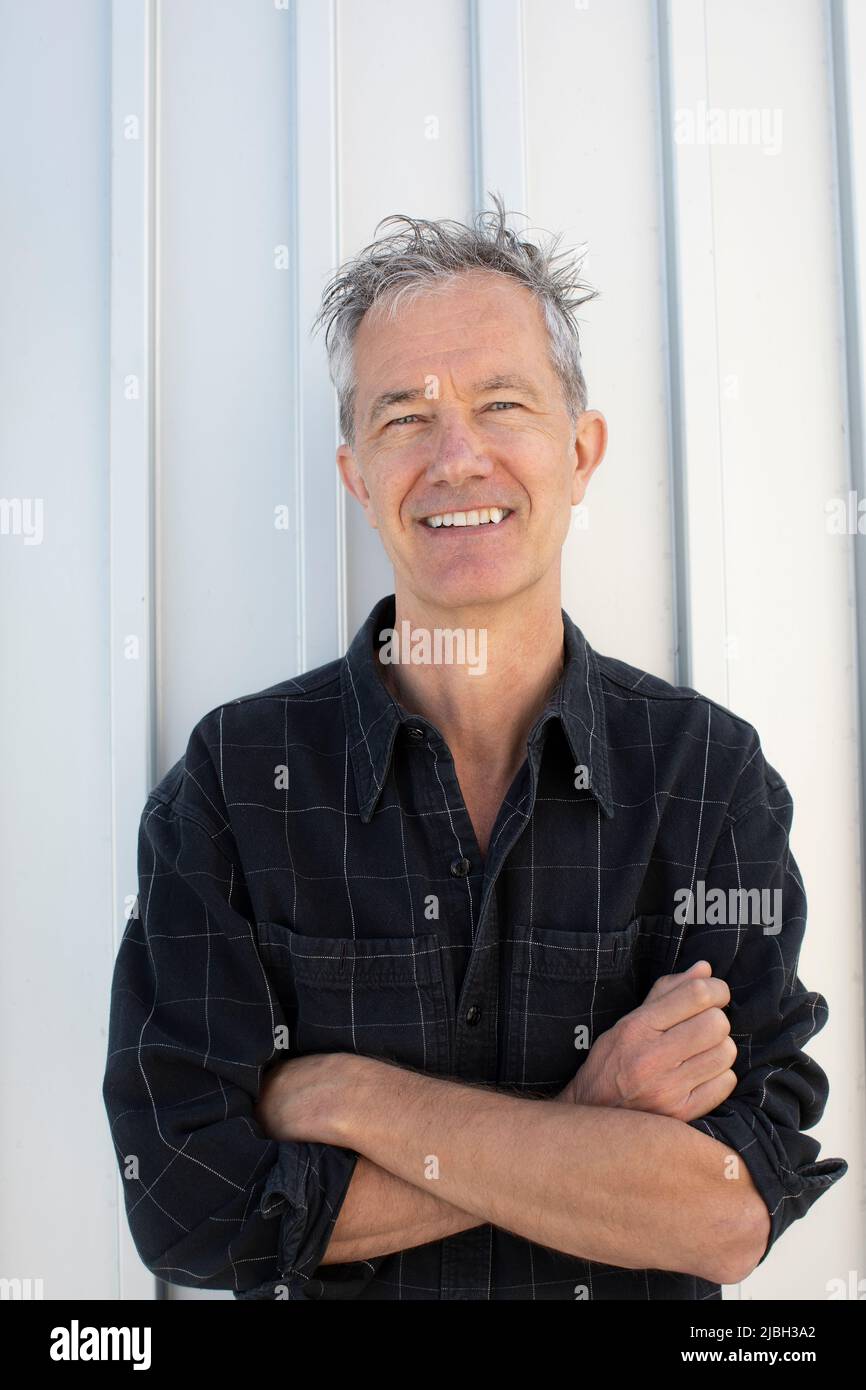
703	993
659	984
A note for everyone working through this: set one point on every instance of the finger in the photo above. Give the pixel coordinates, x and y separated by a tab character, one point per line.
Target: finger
700	970
706	1097
691	997
685	1041
693	1036
706	1066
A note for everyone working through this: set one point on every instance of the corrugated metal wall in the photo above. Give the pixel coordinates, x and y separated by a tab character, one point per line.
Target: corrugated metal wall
179	180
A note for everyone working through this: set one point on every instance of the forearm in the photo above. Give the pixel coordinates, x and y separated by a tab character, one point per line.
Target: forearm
617	1186
382	1214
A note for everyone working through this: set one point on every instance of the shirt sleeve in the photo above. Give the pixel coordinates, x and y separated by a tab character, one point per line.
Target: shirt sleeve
755	948
212	1201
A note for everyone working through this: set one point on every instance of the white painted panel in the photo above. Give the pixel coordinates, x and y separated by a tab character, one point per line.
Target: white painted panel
58	1194
848	27
594	174
225	340
788	594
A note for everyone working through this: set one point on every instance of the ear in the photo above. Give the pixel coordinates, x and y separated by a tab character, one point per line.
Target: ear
590	445
354	482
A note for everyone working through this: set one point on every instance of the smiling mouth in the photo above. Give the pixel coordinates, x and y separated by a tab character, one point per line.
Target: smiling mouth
476	519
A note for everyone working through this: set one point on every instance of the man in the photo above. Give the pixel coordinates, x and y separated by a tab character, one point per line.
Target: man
464	966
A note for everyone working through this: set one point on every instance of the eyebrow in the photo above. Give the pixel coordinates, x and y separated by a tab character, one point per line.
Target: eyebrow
509	382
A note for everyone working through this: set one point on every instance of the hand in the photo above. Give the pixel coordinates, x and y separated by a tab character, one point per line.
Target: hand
671	1056
300	1099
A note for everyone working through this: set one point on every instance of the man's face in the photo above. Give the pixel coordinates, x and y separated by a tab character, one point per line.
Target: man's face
486	426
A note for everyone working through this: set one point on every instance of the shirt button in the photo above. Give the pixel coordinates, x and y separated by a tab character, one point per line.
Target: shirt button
314	1288
414	732
473	1015
460	867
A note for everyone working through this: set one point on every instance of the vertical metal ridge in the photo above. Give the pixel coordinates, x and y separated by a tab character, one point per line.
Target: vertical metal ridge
851	196
340	518
497	102
319	508
133	731
696	449
157	714
676	428
298	509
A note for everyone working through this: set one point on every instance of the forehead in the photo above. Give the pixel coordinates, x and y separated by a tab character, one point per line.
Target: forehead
477	320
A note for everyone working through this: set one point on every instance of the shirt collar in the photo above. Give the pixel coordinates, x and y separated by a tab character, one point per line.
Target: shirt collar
373	716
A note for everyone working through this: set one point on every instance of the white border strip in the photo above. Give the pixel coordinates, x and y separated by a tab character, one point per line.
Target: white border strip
320	497
132	704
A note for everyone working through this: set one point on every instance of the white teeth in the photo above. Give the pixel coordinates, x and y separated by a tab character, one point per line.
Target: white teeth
479	517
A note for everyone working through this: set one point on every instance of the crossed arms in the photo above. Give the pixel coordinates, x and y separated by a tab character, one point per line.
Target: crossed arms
638	1163
591	1173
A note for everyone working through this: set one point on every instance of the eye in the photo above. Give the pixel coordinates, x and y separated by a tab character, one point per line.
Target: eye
402	419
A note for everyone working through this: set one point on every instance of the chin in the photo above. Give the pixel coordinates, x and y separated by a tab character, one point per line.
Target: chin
454	592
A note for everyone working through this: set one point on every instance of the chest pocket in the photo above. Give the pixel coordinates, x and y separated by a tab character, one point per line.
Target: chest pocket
378	997
566	988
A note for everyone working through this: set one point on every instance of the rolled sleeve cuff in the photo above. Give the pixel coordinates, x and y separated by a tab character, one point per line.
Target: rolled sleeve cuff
305	1190
788	1186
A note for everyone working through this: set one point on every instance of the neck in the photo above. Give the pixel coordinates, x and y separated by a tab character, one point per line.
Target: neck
514	652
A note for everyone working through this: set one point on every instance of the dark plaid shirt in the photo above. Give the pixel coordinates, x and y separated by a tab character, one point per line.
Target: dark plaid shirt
309	881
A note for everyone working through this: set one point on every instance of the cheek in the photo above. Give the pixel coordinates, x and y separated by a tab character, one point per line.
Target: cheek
392	508
550	497
387	489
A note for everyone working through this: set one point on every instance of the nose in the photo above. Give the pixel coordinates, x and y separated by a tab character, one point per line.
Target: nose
456	457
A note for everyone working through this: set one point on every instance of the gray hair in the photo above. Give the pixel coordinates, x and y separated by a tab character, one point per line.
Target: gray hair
428	255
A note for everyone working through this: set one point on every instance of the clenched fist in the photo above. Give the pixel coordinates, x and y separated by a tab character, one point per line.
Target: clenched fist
671	1056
